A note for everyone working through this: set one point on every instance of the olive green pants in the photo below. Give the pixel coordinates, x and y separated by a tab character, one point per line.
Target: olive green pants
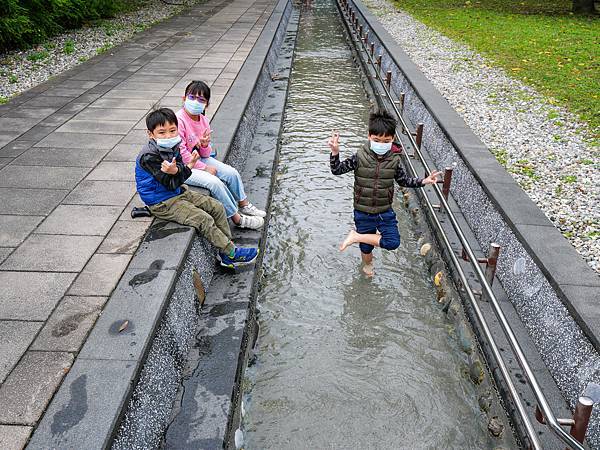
200	211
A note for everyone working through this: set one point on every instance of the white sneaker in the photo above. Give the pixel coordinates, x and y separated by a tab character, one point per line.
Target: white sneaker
251	210
251	222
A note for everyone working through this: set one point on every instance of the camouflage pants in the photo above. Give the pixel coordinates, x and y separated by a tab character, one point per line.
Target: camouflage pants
200	211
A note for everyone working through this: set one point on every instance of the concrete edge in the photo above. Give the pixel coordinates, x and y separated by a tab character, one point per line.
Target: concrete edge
106	365
564	268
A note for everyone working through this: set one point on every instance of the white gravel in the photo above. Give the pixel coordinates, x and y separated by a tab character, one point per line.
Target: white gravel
19	70
544	147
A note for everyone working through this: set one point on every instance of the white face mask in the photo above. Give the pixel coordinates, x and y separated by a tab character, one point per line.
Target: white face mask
381	148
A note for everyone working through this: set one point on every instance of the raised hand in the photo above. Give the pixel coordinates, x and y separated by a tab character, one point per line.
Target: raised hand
334	142
204	140
433	178
195	157
169	167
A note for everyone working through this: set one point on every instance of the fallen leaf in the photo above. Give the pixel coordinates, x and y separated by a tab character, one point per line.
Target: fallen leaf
124	326
200	292
438	278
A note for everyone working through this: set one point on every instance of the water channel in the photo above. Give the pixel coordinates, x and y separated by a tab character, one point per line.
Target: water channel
345	361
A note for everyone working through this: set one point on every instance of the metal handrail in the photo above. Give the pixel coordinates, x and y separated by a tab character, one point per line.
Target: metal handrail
550	418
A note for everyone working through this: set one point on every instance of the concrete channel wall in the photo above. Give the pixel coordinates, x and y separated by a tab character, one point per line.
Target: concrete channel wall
555	294
121	389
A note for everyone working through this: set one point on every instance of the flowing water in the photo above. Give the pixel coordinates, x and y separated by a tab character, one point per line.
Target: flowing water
345	361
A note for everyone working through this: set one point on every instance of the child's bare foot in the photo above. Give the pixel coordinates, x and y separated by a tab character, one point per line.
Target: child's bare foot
368	269
350	239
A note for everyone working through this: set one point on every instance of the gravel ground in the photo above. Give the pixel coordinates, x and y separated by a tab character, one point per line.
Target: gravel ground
541	145
22	70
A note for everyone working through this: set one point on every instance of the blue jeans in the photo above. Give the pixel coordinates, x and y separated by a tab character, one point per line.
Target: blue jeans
226	186
384	222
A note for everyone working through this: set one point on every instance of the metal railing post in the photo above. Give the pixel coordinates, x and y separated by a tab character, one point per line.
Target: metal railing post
581	418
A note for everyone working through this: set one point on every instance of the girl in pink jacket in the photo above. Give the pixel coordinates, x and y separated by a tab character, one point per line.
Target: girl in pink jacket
222	180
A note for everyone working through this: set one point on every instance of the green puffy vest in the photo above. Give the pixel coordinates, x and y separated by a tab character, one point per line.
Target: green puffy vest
374	180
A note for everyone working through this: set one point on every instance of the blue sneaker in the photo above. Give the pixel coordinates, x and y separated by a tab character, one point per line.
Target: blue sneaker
242	256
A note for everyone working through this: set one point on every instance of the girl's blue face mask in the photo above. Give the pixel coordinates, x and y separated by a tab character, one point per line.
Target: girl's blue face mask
168	142
380	148
194	107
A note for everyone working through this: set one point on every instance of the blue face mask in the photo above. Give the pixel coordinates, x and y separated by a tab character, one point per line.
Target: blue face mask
381	148
168	142
194	107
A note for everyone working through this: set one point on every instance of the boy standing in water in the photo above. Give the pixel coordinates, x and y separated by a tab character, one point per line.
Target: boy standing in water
376	166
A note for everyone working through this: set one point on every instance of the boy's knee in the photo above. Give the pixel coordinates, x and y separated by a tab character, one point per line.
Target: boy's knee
390	242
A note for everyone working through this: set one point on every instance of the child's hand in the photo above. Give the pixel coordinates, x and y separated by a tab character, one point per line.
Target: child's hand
212	170
334	142
195	158
433	178
169	167
204	141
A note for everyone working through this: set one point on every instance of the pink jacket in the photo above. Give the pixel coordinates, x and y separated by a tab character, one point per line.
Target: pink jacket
190	131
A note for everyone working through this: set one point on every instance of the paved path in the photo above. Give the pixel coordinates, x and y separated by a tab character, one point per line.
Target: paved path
66	188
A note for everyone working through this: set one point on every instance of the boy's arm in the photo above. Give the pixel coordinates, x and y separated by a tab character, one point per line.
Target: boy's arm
152	164
403	179
340	167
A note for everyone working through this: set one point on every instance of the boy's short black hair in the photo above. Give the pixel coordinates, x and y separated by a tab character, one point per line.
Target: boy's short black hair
160	116
198	88
381	123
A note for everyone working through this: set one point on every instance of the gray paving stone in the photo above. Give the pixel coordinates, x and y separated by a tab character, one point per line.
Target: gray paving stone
28	389
95	126
4	252
14	229
42	177
56	119
100	275
150	96
80	220
15	337
61	157
112	171
124	103
29	201
15	148
35	113
139	299
139	137
69	324
14	437
82	414
117	193
124	237
51	252
31	295
123	152
111	114
80	140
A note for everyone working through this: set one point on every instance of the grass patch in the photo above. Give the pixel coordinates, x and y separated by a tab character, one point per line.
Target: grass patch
3	100
69	47
12	79
38	56
568	178
539	42
104	48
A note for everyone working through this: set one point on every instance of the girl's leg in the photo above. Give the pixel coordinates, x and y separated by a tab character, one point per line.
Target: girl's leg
217	190
231	177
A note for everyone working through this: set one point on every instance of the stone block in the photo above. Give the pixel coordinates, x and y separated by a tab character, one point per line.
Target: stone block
96	126
52	253
100	275
139	299
15	337
123	152
105	192
14	229
86	408
80	220
14	437
32	296
41	177
113	171
29	201
111	114
123	103
27	390
61	157
69	324
124	237
15	148
80	140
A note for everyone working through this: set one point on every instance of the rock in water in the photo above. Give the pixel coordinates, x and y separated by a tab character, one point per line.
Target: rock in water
239	439
425	249
495	426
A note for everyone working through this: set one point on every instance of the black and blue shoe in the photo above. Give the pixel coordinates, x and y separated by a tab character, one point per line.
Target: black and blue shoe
241	257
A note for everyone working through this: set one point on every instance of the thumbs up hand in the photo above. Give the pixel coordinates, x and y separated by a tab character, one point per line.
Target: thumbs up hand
169	167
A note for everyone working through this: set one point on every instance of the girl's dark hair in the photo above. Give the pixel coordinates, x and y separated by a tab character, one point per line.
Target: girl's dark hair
198	88
381	123
160	116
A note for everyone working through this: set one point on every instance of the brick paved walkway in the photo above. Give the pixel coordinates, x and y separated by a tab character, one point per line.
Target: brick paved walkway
66	188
